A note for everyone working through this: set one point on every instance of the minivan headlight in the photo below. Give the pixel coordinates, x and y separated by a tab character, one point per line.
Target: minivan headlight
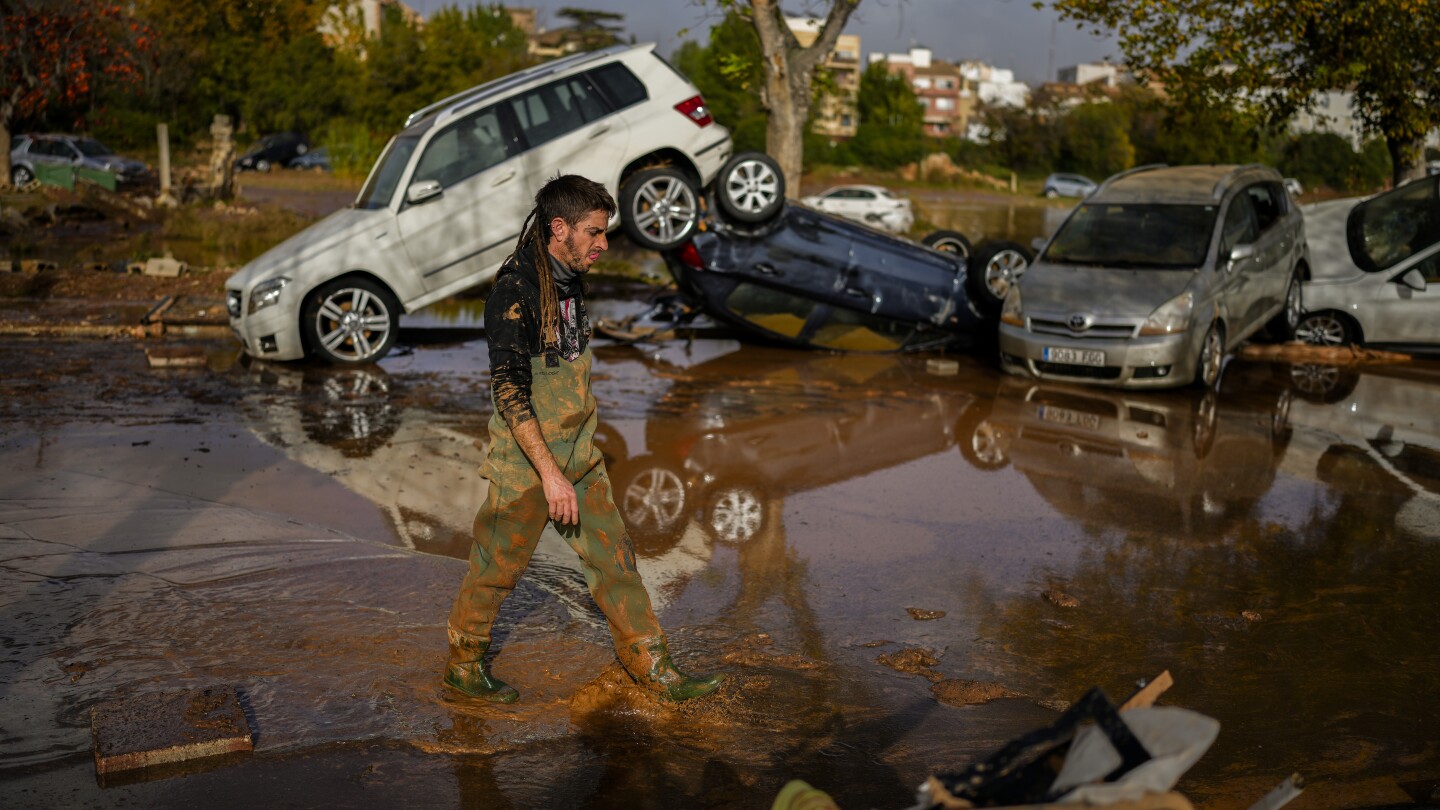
1172	317
267	293
1012	312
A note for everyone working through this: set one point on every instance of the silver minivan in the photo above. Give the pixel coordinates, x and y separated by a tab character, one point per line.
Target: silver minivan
1155	277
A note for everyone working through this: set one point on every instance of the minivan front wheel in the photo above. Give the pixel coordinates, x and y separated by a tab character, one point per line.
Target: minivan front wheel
997	267
659	208
1212	357
351	321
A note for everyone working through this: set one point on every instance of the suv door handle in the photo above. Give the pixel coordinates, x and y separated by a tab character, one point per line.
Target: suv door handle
502	180
598	131
857	292
766	270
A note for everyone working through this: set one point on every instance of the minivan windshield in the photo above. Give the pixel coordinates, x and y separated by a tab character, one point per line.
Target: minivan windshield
1135	236
386	176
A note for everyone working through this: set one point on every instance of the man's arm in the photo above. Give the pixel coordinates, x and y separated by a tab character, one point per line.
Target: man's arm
559	492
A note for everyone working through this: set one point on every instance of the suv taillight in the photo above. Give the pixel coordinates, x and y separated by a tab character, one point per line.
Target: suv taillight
690	257
694	109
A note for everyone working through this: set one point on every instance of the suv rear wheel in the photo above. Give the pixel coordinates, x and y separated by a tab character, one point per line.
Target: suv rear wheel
351	321
750	187
948	242
659	208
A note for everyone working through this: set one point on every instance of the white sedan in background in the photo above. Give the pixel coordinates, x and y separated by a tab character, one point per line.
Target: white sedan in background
875	206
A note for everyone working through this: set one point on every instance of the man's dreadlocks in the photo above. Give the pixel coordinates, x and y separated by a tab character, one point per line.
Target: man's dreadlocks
571	198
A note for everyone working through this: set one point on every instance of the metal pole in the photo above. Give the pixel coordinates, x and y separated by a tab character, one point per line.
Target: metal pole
162	132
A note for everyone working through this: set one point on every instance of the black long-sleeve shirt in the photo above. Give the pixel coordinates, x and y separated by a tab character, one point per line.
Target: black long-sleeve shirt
512	328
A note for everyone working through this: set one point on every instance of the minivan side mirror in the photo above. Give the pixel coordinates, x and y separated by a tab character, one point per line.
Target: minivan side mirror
1413	279
423	190
1239	253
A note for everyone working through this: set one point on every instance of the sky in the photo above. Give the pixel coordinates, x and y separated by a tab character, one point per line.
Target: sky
1005	33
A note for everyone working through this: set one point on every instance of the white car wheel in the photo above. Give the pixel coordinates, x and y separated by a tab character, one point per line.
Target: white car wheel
352	321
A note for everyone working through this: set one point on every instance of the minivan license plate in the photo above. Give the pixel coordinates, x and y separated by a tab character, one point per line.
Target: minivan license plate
1074	357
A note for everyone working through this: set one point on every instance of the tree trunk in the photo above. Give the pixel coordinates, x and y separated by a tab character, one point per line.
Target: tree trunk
1407	159
789	67
6	110
785	126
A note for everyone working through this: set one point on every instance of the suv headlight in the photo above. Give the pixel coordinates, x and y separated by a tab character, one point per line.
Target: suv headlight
232	302
267	293
1172	317
1012	312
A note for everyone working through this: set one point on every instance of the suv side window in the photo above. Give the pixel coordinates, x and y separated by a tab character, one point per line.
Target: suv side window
618	84
465	148
578	93
1265	197
1240	226
546	113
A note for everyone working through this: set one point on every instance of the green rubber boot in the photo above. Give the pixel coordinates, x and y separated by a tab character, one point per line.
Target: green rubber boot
466	671
648	662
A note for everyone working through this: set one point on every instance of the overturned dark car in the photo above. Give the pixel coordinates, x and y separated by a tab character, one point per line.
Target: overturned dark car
790	274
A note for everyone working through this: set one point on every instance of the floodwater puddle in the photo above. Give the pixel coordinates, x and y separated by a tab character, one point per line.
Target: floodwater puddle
1273	544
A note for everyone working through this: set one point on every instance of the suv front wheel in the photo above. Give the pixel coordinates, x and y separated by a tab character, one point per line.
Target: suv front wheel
351	321
659	208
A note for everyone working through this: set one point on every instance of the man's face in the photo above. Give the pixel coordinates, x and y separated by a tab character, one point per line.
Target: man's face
580	246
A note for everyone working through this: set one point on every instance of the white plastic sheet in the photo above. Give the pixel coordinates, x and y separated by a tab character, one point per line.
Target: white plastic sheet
1176	739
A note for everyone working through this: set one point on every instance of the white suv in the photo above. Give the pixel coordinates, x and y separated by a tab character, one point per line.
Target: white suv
444	204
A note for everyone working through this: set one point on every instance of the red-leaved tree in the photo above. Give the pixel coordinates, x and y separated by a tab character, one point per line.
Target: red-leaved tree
54	52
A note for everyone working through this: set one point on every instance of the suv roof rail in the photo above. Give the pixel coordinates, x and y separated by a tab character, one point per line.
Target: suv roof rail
1224	183
515	79
1147	167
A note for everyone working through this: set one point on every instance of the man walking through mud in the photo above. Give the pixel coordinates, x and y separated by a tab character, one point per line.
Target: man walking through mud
543	464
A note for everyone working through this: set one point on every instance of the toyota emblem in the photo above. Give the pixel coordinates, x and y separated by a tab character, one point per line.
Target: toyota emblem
1079	323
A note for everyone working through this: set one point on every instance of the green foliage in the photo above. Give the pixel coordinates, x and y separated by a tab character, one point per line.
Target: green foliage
353	147
1095	139
728	73
1324	159
891	131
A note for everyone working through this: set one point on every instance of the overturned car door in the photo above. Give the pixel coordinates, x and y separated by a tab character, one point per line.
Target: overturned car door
818	280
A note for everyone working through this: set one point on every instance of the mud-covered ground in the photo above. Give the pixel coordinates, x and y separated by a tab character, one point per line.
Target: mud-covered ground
899	571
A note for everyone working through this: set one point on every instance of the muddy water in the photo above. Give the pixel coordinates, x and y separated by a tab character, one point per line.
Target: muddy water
983	219
1274	546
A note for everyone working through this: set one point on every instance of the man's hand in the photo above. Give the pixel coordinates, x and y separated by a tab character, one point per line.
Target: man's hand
559	492
560	495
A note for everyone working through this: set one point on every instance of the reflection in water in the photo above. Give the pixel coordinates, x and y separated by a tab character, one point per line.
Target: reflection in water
982	221
1272	544
1285	616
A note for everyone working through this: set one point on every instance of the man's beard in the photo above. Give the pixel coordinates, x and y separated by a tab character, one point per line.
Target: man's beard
574	259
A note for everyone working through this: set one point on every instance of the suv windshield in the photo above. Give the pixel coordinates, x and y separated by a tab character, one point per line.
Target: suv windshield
381	186
1135	236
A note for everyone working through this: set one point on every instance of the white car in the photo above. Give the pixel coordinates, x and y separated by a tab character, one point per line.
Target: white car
445	202
873	205
1375	270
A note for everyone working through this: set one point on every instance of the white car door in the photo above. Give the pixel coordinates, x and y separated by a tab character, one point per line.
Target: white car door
568	129
471	226
1394	312
1398	232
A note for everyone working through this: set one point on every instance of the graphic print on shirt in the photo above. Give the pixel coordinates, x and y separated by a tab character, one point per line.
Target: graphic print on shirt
573	324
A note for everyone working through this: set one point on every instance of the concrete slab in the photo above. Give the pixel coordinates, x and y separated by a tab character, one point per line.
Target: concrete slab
165	727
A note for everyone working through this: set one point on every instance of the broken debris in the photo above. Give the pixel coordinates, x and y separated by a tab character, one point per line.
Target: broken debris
164	727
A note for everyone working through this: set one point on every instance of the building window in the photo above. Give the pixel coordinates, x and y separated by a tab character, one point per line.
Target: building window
945	84
846	121
944	103
922	83
925	102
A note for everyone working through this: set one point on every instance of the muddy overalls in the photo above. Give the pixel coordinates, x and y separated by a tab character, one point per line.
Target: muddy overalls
515	512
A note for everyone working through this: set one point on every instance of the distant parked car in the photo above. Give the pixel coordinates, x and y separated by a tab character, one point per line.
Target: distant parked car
1156	276
446	199
1068	185
1375	269
314	159
32	151
273	150
875	206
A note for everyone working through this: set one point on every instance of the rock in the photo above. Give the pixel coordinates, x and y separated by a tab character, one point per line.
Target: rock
1060	599
1250	615
912	661
922	615
942	367
957	692
165	267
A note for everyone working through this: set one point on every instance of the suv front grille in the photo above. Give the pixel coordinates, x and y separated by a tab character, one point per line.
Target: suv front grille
1100	330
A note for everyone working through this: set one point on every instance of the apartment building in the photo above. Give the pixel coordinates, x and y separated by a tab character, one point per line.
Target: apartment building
940	87
838	116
